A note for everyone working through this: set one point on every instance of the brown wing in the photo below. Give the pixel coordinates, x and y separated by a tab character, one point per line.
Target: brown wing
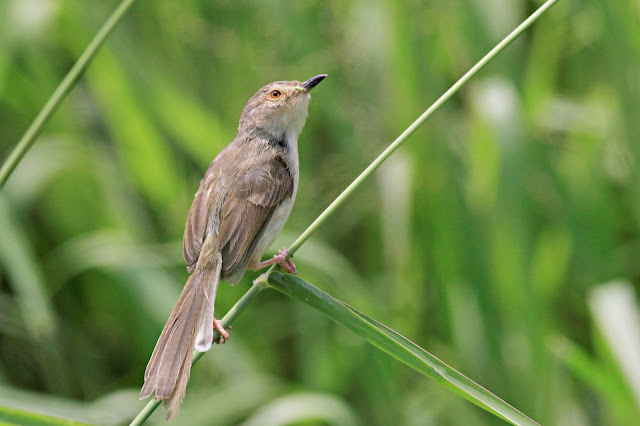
196	226
248	203
247	212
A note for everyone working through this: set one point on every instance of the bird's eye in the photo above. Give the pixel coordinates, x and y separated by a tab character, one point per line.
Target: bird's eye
275	94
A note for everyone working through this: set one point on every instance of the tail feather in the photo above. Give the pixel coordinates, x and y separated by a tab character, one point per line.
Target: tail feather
172	404
204	339
168	370
179	346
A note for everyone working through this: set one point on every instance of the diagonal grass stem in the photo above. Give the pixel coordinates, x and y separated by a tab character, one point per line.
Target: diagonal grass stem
416	124
61	92
261	282
259	285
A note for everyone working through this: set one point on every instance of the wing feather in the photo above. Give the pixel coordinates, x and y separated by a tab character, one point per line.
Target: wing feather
248	203
247	215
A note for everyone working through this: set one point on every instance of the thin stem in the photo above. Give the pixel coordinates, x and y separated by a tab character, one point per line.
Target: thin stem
61	92
146	412
262	283
258	285
416	124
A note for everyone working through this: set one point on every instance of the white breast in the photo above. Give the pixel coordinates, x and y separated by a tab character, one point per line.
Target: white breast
276	224
281	214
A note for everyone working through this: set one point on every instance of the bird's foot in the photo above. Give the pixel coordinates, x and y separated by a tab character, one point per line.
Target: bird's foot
281	260
224	335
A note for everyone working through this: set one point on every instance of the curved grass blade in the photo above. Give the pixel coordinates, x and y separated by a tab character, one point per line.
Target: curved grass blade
519	417
397	346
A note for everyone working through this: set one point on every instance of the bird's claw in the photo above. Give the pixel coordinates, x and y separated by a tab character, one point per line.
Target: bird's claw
224	335
286	264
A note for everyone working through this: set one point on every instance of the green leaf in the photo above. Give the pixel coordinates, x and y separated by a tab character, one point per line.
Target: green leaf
29	286
25	418
397	346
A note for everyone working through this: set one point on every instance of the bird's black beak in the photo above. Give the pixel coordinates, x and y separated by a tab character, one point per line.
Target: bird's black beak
313	82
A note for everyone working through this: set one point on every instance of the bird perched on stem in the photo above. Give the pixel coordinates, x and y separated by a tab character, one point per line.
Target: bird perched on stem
242	204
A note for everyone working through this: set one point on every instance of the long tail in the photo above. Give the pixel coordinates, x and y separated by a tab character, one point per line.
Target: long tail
190	325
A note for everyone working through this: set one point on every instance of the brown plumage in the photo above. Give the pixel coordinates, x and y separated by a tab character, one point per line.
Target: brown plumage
241	206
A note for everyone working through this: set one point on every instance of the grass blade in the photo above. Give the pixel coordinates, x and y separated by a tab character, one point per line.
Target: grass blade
397	346
457	382
61	92
419	122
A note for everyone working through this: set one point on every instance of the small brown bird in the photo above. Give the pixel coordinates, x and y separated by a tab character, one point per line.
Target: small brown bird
242	204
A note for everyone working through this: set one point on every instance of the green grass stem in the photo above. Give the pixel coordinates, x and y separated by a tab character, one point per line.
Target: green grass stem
416	124
261	282
258	285
61	92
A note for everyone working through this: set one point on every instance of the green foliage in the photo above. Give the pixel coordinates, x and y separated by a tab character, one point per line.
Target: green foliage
9	416
395	345
481	239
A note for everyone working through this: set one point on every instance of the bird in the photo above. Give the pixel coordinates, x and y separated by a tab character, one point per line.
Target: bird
241	206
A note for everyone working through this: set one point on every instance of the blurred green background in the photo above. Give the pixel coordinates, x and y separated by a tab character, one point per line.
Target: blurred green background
503	238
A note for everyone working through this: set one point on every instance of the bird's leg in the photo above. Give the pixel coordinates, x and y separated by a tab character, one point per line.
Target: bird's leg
224	335
281	260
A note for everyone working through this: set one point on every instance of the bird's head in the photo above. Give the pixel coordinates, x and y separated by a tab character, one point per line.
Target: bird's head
280	107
